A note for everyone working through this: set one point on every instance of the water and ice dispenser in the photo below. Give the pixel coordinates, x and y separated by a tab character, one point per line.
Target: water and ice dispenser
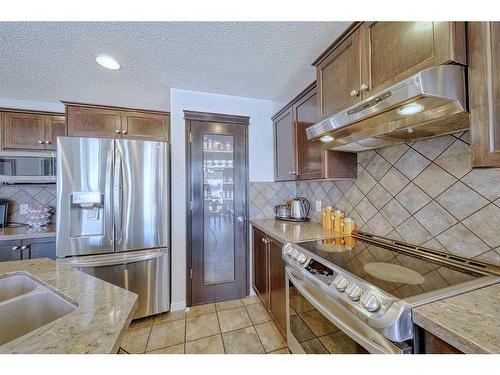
87	213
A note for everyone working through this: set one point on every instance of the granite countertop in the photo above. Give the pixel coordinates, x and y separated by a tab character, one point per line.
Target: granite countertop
97	325
470	322
21	233
286	231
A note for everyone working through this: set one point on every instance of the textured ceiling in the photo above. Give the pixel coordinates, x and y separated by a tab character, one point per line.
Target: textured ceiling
56	61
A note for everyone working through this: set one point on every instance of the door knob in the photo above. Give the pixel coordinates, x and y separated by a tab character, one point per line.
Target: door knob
240	219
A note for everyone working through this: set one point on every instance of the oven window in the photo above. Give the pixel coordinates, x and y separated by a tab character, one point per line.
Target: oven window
315	333
27	166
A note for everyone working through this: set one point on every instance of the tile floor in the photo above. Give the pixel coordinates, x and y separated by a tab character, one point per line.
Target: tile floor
239	326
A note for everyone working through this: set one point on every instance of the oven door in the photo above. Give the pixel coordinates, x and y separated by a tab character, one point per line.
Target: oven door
317	324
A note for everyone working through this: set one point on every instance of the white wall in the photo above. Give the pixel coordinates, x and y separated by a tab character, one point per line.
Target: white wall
31	105
260	161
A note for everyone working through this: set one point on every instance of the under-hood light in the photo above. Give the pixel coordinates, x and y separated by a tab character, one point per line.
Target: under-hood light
107	62
326	138
410	109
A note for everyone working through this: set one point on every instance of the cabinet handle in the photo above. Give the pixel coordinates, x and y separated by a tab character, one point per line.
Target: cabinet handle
124	132
354	93
16	248
363	87
40	142
48	142
24	247
117	131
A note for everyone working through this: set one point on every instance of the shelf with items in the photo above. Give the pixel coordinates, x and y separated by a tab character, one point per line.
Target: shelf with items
217	143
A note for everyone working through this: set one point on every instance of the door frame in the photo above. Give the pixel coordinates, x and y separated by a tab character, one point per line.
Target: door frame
224	119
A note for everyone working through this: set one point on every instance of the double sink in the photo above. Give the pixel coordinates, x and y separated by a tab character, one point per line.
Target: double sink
26	304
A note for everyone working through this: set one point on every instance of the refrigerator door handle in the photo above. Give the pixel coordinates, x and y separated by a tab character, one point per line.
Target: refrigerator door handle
118	190
108	195
103	261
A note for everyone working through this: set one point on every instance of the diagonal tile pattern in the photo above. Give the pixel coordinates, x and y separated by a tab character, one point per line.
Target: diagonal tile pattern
240	326
20	194
424	193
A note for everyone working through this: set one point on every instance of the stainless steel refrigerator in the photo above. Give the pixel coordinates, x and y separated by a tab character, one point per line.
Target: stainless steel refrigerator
113	214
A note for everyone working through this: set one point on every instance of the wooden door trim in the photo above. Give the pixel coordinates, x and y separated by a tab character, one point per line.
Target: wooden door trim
243	120
216	117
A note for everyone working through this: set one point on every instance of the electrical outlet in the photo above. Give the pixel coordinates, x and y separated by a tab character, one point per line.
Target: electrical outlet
23	208
318	206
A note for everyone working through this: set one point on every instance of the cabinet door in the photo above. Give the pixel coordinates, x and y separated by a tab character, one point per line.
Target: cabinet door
339	76
23	130
309	154
484	98
260	265
93	122
41	248
9	250
284	147
55	126
146	126
393	51
277	285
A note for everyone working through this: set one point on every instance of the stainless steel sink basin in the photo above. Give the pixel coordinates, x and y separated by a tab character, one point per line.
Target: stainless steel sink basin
26	304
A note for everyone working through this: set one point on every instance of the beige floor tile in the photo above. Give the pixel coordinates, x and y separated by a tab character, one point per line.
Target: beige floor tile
220	306
318	323
201	326
242	341
136	339
249	300
281	351
233	319
142	323
121	351
174	349
198	310
166	334
270	337
169	317
258	313
207	345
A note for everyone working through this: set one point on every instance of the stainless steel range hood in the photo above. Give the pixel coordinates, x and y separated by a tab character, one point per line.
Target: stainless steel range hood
430	103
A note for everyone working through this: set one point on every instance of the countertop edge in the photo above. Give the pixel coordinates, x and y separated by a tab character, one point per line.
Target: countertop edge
119	338
460	342
284	240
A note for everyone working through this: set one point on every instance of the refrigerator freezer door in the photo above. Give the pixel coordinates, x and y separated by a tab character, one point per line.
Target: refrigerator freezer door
84	196
145	273
141	193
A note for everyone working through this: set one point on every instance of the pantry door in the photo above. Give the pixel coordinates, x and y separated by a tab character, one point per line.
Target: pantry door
218	180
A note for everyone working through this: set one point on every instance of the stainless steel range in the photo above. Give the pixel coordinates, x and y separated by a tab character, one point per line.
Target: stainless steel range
355	294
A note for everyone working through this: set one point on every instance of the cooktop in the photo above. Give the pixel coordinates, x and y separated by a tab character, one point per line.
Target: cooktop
400	269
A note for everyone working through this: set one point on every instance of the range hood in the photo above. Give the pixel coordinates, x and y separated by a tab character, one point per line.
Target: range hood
430	103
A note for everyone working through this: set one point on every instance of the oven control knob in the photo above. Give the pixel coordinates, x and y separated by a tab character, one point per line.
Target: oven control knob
340	283
353	292
301	259
369	302
289	250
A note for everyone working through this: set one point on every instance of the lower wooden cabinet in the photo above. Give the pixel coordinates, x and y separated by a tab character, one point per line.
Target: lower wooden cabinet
431	344
269	276
32	248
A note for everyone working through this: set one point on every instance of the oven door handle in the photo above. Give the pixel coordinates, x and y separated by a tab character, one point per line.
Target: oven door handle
347	322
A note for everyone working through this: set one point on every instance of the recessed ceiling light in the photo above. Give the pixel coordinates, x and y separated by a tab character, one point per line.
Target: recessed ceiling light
107	62
410	109
326	138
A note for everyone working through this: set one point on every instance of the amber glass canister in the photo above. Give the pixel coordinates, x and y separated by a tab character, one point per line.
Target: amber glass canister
338	217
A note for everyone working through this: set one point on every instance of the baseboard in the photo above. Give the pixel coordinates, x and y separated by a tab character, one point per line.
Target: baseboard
178	306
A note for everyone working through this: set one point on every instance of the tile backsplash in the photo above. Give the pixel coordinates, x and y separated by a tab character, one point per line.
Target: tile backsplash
19	194
423	192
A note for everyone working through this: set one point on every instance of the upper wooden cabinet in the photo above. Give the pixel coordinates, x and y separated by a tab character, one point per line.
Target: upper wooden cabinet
339	76
113	122
371	56
297	158
484	92
31	130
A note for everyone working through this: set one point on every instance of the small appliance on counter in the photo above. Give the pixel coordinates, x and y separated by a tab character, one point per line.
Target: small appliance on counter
296	210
